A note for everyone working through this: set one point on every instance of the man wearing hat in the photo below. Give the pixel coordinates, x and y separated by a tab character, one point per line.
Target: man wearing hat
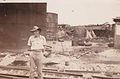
36	45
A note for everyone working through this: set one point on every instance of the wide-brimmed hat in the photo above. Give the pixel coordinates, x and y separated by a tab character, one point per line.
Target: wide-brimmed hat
35	28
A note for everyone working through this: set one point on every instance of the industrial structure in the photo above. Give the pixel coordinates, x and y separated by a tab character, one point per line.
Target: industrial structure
16	19
84	52
52	26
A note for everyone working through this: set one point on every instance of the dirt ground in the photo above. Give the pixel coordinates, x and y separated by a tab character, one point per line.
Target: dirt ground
96	58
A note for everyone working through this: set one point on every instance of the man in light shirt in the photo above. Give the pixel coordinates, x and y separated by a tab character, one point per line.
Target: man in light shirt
61	34
36	45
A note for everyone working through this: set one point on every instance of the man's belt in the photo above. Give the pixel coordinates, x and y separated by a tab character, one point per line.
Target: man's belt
36	50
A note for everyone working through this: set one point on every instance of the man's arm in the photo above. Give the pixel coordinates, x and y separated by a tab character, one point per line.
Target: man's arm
29	44
46	46
29	48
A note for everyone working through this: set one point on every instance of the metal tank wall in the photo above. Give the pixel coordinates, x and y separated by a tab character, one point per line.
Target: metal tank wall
16	20
52	22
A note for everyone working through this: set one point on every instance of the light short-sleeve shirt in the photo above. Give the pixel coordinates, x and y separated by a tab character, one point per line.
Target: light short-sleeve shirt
37	42
61	34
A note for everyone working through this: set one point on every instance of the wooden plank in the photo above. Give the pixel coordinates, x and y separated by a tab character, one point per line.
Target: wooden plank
65	73
26	77
106	77
45	71
50	69
10	77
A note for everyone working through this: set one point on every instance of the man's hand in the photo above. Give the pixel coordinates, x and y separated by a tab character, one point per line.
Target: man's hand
47	54
27	53
47	46
29	48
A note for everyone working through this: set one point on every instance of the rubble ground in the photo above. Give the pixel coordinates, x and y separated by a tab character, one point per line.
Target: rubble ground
94	58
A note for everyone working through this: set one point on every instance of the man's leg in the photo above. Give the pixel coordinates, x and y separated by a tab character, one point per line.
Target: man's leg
32	67
39	65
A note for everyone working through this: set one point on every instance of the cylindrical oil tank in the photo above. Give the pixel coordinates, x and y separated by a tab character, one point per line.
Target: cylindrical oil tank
52	22
16	21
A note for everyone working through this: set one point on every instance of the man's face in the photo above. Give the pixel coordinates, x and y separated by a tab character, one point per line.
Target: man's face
36	33
60	28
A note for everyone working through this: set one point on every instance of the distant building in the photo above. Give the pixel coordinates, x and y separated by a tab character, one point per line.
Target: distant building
102	30
84	32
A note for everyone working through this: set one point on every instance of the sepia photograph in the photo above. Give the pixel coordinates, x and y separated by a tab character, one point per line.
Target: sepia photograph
59	39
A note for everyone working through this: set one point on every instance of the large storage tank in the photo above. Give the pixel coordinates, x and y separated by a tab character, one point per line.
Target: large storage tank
52	22
16	20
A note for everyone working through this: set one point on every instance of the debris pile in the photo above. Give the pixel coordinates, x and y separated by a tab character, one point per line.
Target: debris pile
104	61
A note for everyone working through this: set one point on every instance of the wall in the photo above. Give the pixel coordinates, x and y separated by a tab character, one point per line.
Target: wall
117	36
52	22
16	20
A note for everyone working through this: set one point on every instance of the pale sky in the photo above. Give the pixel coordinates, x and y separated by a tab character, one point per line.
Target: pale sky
80	12
77	12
